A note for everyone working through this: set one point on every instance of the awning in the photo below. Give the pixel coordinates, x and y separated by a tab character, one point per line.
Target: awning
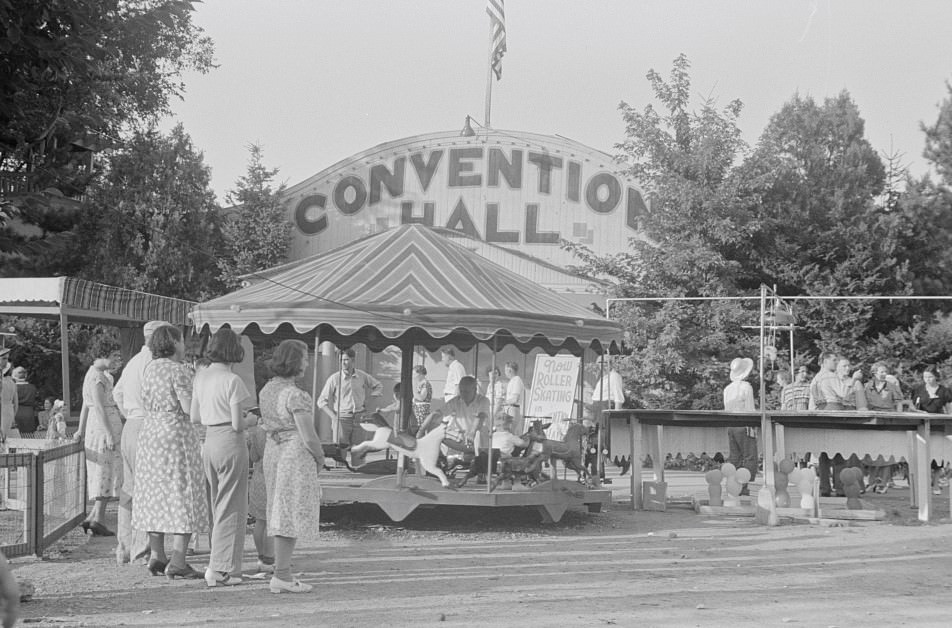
88	302
408	283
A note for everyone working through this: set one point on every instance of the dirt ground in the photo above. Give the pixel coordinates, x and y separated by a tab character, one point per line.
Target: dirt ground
464	567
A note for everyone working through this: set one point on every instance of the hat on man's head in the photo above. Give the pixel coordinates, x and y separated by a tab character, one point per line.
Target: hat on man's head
741	368
149	328
4	351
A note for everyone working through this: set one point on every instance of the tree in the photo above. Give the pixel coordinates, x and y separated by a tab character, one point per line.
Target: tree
684	156
75	77
803	211
811	189
258	234
153	224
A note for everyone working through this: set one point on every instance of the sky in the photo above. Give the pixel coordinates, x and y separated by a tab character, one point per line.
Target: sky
315	81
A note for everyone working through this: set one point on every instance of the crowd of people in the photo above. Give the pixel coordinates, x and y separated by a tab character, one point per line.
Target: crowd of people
837	386
179	464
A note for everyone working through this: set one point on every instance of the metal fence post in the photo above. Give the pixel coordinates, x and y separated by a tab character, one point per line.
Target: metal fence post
36	497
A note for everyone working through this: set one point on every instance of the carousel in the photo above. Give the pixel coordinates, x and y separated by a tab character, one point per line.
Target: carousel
411	287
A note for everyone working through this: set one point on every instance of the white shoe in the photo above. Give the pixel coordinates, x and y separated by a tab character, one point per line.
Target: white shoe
216	578
283	586
263	568
263	573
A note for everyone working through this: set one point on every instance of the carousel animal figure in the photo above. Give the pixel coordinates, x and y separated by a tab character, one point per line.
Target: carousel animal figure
568	451
425	449
524	469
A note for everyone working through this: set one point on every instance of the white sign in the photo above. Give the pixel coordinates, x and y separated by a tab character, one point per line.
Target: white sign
553	393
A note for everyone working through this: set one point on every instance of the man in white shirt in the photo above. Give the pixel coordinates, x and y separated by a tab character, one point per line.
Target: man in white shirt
515	395
468	415
127	393
468	422
454	373
611	390
344	398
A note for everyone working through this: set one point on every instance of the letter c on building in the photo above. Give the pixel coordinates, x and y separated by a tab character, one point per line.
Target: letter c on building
307	225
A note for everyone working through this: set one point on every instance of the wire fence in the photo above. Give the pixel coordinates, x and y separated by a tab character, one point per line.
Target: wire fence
42	494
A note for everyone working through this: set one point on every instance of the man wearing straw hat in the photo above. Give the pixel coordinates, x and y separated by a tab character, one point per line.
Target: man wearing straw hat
739	397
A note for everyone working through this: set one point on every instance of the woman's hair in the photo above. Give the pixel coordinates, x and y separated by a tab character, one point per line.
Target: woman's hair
288	358
419	368
162	343
932	368
878	365
225	346
513	366
492	370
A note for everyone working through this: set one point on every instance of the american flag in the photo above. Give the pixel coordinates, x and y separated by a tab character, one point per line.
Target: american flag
497	18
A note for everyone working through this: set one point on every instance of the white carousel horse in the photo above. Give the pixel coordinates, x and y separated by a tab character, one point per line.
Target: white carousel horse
426	449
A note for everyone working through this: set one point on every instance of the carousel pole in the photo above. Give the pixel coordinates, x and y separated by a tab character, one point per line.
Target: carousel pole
492	424
793	373
340	386
601	424
314	391
765	424
406	400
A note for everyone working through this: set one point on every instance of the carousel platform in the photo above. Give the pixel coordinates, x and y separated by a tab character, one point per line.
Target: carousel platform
551	498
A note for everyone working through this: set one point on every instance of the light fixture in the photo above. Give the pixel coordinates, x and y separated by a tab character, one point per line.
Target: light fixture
467	129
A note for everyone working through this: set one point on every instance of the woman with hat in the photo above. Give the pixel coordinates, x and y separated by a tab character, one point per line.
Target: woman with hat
739	397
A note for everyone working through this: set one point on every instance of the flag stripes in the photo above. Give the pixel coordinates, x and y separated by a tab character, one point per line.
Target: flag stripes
497	17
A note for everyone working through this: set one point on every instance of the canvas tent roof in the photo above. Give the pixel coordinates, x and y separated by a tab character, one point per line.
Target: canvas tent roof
87	301
408	283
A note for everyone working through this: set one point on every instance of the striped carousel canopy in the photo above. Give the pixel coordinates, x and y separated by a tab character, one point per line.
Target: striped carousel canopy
407	284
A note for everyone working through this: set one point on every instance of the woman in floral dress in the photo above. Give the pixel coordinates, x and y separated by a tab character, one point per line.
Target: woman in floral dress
100	428
170	495
293	457
422	396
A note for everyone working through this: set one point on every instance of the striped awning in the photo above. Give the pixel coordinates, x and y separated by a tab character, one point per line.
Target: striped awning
88	301
408	283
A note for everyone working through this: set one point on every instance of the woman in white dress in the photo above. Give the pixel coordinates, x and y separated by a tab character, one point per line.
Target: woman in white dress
100	428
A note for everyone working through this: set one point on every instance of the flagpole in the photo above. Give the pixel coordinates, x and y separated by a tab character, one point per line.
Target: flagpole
489	76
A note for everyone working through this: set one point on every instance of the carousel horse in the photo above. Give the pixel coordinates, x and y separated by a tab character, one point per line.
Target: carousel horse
426	449
568	450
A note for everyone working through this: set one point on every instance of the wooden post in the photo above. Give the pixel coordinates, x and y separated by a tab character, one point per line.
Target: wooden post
656	447
765	423
912	462
64	362
924	481
634	448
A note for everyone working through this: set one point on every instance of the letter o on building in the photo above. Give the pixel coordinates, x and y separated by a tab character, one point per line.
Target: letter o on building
594	187
354	205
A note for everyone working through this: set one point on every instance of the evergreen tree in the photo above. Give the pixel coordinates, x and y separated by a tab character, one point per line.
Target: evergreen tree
258	232
152	224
